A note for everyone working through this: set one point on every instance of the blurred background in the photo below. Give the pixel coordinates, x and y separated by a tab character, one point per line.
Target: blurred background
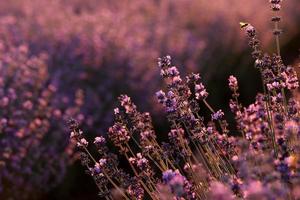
73	58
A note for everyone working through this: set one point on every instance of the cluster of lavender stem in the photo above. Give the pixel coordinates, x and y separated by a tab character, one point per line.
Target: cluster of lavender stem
201	160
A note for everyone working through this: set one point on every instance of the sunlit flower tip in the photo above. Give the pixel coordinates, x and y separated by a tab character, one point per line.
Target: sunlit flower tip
149	147
234	158
217	115
102	162
170	94
127	104
250	30
164	61
97	168
161	96
118	134
210	130
258	63
132	160
176	80
233	106
193	77
163	72
290	78
141	161
176	133
145	134
233	83
200	91
276	7
116	111
124	99
72	135
173	71
82	143
196	76
99	140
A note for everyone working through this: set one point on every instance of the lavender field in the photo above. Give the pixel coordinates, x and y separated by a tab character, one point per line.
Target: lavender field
149	99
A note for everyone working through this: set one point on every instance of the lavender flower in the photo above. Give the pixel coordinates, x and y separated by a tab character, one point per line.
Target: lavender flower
99	140
177	183
118	134
217	115
200	91
82	143
161	96
291	79
250	30
127	104
233	84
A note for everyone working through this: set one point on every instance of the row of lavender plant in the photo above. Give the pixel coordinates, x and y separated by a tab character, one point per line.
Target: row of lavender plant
80	48
91	51
45	58
201	160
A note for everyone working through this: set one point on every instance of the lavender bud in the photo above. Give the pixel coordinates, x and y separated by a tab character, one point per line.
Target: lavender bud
233	84
200	91
250	30
217	115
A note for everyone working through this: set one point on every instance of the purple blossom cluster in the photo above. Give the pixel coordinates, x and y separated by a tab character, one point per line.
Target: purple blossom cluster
33	152
202	158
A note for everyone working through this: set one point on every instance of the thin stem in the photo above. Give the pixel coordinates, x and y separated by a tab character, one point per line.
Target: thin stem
270	119
277	38
213	111
136	174
276	28
239	109
208	106
90	155
110	180
127	145
115	185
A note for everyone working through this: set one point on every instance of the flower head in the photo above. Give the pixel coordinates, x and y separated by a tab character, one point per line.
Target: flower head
200	91
233	83
217	115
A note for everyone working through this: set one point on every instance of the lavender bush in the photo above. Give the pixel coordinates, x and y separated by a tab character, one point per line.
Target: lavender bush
203	159
95	55
33	152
